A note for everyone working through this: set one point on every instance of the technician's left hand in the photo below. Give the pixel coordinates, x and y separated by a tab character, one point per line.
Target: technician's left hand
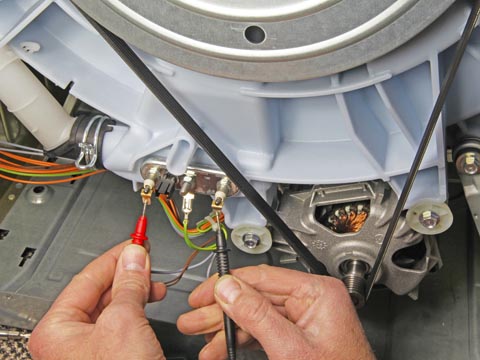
100	314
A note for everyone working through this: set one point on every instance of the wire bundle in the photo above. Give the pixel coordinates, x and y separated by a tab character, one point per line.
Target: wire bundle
201	228
18	165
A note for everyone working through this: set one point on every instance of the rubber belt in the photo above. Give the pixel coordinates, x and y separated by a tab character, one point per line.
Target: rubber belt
422	148
182	116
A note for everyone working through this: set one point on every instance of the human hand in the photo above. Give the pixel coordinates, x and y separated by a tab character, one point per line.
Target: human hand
100	314
290	314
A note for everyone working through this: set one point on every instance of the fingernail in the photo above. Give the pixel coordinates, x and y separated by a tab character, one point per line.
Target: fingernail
227	289
134	257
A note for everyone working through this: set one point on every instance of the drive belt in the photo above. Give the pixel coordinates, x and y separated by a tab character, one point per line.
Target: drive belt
422	148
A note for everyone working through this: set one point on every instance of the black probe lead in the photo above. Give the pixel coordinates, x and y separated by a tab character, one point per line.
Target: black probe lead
223	268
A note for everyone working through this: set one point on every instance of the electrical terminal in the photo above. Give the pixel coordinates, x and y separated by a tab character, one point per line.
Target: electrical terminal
147	191
224	188
186	191
187	204
139	236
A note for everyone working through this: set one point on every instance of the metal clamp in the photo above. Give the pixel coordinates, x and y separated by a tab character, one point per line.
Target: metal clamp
88	151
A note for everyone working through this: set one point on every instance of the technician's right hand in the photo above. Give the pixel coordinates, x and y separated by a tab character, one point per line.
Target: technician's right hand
290	314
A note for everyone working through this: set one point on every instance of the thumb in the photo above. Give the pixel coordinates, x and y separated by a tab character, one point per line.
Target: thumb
256	315
131	284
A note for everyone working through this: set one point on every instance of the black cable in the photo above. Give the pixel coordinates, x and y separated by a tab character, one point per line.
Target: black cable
432	122
223	268
182	116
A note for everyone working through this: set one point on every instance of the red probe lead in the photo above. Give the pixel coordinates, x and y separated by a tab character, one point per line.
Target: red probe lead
139	236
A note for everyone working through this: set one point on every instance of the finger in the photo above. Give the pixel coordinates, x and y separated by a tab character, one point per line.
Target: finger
207	319
158	290
202	295
80	298
201	321
217	348
209	337
256	315
267	279
131	284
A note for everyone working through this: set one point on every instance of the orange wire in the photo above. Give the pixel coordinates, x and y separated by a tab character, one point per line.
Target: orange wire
173	207
52	181
8	162
161	197
57	170
28	160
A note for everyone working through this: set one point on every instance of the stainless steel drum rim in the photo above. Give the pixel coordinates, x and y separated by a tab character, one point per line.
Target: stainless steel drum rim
254	10
292	40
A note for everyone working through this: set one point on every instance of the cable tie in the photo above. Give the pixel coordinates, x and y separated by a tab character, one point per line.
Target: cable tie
212	222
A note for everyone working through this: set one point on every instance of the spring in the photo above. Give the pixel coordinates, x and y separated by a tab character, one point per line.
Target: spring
223	266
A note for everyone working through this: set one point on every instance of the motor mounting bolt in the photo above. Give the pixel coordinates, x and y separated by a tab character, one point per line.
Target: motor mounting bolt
429	219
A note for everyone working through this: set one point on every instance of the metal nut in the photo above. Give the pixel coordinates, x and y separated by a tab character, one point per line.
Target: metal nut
429	219
468	163
251	240
471	163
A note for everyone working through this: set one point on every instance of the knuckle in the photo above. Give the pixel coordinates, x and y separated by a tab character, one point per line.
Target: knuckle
131	288
34	345
330	284
336	285
264	266
255	310
37	344
137	282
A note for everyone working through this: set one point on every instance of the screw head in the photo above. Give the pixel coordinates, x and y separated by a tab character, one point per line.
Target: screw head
429	219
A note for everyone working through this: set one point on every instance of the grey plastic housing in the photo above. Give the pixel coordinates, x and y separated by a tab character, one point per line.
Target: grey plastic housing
361	124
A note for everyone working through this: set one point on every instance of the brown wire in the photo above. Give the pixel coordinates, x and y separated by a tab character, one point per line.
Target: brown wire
192	256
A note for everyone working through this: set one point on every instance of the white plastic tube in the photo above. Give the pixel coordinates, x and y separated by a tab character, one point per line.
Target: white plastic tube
26	97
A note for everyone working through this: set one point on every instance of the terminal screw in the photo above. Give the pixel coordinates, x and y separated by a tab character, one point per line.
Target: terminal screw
188	183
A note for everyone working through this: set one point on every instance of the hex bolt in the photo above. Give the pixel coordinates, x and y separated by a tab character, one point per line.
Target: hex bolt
429	219
186	186
354	272
251	240
471	163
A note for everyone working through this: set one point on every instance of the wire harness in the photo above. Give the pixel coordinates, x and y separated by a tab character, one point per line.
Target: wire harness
39	172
